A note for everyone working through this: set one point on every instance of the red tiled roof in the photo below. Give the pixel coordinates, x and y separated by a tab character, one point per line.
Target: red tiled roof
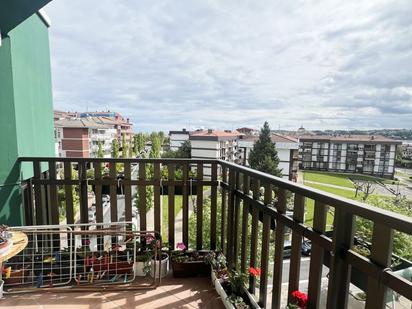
348	138
215	133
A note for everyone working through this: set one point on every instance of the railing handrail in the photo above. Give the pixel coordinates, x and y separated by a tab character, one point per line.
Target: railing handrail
117	160
393	220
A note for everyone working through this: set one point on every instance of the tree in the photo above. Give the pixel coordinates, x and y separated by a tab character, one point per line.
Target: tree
125	147
115	148
100	152
185	150
139	143
156	147
264	157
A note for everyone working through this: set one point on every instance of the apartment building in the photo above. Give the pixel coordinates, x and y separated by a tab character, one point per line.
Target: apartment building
286	146
406	148
177	138
373	155
122	125
76	137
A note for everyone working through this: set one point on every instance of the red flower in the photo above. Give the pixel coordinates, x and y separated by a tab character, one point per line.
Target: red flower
300	298
255	272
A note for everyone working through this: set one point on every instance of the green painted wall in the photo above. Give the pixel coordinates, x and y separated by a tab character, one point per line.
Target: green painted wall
26	109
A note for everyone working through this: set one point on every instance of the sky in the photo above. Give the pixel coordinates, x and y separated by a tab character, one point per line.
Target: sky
168	65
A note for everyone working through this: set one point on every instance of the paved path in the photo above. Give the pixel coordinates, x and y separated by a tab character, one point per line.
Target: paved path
329	185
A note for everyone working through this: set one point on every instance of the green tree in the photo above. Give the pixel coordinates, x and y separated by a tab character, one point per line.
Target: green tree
100	152
125	147
185	150
156	147
139	143
264	157
115	148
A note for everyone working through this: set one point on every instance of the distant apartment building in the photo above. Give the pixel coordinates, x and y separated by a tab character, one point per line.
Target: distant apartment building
122	125
76	137
373	155
287	148
177	138
406	148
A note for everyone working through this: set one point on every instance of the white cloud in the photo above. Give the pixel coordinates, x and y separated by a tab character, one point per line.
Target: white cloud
168	64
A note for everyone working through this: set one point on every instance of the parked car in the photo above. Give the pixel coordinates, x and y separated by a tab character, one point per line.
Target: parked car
305	249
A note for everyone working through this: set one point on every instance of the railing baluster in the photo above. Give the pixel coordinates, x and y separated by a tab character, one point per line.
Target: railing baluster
230	218
199	208
254	234
38	195
294	268
142	197
381	254
279	243
113	192
68	188
54	209
316	256
264	262
339	278
245	221
84	207
171	205
156	199
127	192
223	222
236	222
185	202
213	207
99	203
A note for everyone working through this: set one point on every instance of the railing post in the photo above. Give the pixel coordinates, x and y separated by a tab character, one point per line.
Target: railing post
171	205
223	222
41	215
142	196
245	221
230	218
381	254
254	234
296	254
213	208
99	204
339	276
236	218
68	188
156	198
264	262
185	205
279	243
199	208
316	256
127	191
84	209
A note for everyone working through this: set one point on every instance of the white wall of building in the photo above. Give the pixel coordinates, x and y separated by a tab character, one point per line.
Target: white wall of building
176	140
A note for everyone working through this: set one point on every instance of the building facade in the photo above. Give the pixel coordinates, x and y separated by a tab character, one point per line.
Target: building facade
177	138
372	155
287	148
77	137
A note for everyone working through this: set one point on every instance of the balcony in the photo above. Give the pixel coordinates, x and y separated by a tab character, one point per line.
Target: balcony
246	217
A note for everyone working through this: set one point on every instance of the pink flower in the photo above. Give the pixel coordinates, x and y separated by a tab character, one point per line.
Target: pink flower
181	246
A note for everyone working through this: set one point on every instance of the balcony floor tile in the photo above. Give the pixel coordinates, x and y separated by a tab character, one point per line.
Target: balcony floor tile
172	293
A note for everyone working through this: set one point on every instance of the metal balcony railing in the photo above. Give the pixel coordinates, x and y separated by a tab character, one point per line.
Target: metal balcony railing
241	196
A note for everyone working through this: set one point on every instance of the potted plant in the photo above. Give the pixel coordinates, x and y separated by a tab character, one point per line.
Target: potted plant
186	263
299	300
230	285
159	264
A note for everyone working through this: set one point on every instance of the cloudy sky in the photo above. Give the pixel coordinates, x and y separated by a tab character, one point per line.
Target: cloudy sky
225	64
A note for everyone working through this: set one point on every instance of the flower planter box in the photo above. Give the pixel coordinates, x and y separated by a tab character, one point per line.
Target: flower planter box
18	276
190	269
115	267
247	297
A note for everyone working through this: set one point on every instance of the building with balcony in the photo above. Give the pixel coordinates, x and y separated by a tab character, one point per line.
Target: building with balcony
177	138
242	213
286	146
80	137
372	155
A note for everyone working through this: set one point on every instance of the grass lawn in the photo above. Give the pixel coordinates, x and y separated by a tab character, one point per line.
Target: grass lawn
165	213
342	180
